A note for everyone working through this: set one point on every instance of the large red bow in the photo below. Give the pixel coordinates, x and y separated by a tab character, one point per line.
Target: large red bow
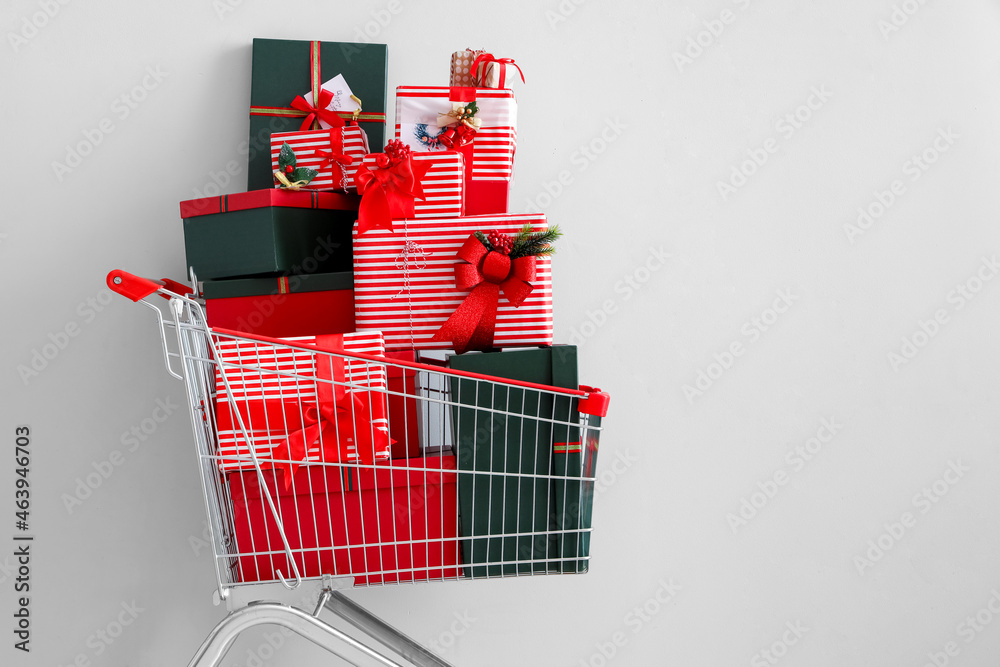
388	191
487	273
319	110
486	59
339	419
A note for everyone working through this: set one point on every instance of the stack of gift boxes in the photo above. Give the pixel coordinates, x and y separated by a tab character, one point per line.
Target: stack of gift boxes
405	249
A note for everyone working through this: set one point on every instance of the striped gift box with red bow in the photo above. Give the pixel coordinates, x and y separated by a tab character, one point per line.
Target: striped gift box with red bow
334	153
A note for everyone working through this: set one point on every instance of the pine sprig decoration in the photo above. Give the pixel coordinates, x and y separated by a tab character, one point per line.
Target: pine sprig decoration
528	243
482	239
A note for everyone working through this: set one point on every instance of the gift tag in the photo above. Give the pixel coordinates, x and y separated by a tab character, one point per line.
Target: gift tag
341	97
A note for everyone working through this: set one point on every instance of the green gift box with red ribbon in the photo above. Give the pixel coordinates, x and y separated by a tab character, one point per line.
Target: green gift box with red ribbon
284	71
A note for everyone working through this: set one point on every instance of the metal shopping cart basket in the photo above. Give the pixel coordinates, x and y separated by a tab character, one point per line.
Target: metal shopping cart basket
327	464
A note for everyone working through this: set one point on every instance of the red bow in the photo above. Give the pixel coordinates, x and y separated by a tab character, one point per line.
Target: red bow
486	273
339	419
319	111
336	153
388	191
486	59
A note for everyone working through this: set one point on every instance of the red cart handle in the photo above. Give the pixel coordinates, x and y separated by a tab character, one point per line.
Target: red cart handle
596	402
137	288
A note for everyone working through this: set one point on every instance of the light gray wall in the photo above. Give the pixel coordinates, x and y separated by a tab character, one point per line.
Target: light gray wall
665	133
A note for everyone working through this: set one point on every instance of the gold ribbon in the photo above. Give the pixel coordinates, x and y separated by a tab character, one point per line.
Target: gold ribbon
458	115
285	183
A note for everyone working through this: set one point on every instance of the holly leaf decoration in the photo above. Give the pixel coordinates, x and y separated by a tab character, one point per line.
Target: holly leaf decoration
471	109
302	174
286	158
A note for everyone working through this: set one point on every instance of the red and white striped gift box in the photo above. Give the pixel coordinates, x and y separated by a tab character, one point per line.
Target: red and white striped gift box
492	149
404	282
444	185
271	387
312	148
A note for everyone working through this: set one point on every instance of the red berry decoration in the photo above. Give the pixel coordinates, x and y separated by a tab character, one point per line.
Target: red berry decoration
502	243
397	151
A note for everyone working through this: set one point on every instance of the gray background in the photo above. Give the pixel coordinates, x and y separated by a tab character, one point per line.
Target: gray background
672	131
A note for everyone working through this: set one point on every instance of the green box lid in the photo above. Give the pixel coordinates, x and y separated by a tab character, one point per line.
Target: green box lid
309	282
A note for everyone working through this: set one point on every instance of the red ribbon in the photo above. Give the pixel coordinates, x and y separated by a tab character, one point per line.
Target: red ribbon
487	58
318	110
336	152
388	191
487	273
339	418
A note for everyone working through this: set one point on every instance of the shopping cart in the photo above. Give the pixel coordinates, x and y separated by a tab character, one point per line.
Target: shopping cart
326	462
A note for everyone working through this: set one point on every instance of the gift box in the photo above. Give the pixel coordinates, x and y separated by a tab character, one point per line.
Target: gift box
461	68
438	177
303	85
404	412
384	524
503	432
283	306
300	407
267	232
335	154
488	151
405	284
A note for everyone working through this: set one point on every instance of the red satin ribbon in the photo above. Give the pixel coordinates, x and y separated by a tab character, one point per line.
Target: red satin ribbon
487	273
339	418
336	153
388	192
487	58
317	111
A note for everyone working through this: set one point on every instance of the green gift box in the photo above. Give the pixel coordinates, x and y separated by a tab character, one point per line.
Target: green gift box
517	515
283	70
268	232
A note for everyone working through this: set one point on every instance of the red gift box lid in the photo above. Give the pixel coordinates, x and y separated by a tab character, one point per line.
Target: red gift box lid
272	197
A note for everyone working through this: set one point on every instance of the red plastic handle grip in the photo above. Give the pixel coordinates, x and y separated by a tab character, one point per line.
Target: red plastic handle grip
130	286
596	402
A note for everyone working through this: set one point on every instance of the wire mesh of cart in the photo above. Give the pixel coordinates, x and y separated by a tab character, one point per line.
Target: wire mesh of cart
323	457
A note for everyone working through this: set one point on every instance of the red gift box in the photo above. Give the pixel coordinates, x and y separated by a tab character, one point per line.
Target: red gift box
442	183
404	427
383	525
489	156
334	153
301	406
405	283
282	306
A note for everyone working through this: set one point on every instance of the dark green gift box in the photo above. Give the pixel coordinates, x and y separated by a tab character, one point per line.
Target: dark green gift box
284	69
520	441
268	232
